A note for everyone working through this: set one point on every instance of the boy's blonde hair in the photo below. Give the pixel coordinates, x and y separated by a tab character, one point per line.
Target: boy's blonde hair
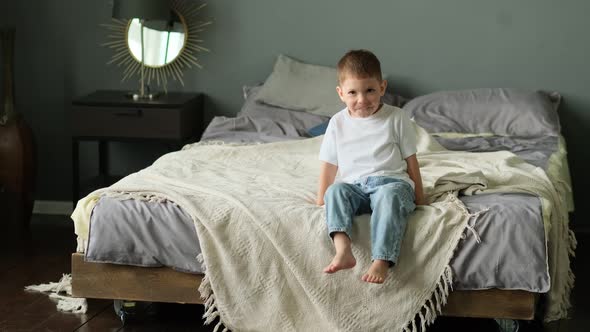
360	64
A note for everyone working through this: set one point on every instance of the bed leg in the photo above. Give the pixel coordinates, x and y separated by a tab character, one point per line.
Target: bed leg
124	310
507	325
133	310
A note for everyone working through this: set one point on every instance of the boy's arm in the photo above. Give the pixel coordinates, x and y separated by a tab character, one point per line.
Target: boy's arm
414	173
327	176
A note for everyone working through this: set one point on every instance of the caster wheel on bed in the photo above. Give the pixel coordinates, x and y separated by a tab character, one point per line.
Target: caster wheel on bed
507	325
125	310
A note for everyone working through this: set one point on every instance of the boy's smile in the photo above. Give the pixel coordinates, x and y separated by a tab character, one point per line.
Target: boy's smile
362	96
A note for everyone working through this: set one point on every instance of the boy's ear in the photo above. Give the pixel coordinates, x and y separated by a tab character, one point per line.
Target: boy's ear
339	90
383	87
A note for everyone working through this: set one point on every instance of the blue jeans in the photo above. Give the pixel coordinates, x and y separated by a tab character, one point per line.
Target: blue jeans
390	200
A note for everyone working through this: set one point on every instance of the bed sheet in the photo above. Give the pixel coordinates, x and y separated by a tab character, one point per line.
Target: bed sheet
511	253
259	123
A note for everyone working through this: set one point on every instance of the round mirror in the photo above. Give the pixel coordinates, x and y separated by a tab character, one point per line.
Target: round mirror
169	47
163	41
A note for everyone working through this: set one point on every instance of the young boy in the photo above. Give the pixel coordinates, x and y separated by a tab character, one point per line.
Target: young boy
372	147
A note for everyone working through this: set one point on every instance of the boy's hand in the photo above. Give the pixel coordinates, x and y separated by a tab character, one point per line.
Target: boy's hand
327	176
420	201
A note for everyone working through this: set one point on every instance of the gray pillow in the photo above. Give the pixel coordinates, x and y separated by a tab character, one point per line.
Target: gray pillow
394	100
300	120
507	112
249	90
304	87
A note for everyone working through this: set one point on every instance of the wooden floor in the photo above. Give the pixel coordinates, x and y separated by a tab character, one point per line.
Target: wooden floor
44	254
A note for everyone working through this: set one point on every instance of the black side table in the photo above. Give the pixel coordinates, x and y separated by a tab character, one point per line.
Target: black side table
106	115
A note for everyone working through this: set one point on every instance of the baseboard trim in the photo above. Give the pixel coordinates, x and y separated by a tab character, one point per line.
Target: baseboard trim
53	207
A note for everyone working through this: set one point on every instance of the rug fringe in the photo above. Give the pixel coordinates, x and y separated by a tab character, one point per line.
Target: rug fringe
66	302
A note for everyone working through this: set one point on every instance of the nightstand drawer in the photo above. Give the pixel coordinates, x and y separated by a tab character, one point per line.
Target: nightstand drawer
162	123
106	116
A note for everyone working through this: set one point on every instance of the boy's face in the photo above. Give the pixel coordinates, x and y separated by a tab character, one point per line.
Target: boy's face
362	96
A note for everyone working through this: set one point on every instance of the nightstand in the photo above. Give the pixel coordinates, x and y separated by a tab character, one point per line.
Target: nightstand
107	116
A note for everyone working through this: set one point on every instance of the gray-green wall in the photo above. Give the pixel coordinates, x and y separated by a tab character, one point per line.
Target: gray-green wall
424	46
7	10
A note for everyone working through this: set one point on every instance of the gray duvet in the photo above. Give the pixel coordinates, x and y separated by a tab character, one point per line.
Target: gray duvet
511	255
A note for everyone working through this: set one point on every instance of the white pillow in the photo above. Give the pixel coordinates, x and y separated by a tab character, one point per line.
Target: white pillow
299	86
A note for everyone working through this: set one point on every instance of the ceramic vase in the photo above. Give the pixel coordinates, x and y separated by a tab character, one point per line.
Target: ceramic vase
17	161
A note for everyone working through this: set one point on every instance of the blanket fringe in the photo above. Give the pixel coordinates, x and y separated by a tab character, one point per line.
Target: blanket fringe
65	302
201	260
563	310
472	216
568	237
217	142
573	243
432	307
571	278
81	244
211	310
140	196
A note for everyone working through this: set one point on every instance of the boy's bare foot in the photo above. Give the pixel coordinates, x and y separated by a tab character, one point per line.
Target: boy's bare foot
344	259
340	262
377	272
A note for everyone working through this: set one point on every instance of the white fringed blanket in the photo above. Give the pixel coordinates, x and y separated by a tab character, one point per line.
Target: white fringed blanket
264	241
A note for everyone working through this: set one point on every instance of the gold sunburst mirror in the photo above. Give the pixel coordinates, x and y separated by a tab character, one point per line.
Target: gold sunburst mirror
170	47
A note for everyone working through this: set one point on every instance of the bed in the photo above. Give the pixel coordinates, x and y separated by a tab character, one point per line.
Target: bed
128	253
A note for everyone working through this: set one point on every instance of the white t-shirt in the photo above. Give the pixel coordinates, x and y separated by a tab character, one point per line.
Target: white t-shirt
373	146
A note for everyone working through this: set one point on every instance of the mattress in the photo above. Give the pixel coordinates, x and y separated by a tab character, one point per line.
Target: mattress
511	254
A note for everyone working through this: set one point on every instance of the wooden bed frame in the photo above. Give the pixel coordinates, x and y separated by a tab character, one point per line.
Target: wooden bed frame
123	282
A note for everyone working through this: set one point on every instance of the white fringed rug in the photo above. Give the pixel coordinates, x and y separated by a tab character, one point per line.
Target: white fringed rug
62	292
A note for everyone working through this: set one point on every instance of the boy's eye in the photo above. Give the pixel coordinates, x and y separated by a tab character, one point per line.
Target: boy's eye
370	90
351	92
